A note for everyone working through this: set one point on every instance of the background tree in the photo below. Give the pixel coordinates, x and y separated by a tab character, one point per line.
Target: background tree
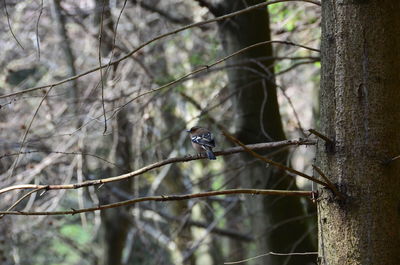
118	121
257	119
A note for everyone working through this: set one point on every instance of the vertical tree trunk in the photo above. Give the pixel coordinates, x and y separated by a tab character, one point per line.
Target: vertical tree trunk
360	110
117	221
257	119
65	43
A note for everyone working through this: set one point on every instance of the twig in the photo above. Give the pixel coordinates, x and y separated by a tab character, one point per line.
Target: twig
167	198
296	116
216	230
15	163
21	199
272	254
331	186
229	151
101	68
59	152
391	160
251	8
37	29
294	66
271	162
183	78
320	135
9	24
196	244
150	7
207	67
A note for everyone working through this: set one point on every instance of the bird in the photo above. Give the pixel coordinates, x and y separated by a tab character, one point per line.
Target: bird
202	141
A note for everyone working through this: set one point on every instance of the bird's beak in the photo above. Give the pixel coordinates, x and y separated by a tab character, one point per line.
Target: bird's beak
188	131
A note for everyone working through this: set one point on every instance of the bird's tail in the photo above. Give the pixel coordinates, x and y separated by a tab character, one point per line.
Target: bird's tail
210	154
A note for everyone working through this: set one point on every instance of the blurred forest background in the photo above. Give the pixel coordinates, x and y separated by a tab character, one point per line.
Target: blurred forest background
110	122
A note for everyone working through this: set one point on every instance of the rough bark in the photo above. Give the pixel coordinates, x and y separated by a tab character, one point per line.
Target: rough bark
257	119
360	110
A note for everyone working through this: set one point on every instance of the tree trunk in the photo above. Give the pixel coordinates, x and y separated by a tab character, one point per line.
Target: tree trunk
65	44
257	119
116	222
360	111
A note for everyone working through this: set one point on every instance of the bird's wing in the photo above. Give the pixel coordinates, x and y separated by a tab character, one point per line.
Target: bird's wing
206	139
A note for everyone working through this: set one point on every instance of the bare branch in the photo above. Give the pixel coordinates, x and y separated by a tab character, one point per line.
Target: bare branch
37	29
21	199
101	67
161	12
329	183
167	198
320	135
182	78
15	163
251	8
391	159
260	146
59	152
271	162
9	25
273	254
207	67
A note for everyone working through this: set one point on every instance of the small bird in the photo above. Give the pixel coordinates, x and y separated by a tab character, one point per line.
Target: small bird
202	141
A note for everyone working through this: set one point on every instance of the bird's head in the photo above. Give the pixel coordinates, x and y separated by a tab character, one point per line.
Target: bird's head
193	129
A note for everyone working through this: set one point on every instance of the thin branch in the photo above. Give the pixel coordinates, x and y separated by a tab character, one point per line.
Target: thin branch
9	25
21	199
101	68
296	116
59	152
14	165
320	135
37	29
167	198
329	144
161	12
330	184
271	162
207	67
294	66
272	254
181	79
116	30
219	231
242	236
262	110
391	160
196	244
229	151
251	8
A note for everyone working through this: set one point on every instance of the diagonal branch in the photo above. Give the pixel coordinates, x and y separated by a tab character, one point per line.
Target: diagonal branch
9	24
229	151
329	183
271	162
